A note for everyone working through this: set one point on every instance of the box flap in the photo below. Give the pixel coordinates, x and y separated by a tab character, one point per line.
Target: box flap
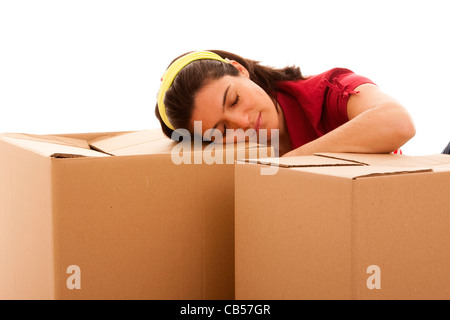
352	168
151	141
79	143
90	135
391	160
52	149
357	172
442	167
304	161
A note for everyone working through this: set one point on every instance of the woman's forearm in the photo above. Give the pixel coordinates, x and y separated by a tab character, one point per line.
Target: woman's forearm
381	129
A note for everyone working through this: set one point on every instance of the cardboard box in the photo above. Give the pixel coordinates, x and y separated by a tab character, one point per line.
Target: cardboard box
344	226
110	216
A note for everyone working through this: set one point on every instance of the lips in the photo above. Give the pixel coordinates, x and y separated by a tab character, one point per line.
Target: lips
258	123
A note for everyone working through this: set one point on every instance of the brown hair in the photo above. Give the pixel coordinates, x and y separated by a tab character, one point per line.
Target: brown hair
179	99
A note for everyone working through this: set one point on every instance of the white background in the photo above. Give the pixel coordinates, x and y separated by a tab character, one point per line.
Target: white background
95	66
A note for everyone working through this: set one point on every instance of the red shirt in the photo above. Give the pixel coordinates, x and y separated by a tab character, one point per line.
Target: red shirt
317	105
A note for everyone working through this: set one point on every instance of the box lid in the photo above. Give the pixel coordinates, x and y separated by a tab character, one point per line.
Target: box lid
51	146
143	142
304	161
354	166
151	141
392	160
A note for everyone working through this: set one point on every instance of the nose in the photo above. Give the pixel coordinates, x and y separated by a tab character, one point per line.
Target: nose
237	119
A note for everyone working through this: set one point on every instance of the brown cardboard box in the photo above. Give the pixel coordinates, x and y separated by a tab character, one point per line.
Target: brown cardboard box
344	226
118	222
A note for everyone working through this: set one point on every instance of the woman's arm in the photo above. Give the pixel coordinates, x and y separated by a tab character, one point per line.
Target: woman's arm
377	124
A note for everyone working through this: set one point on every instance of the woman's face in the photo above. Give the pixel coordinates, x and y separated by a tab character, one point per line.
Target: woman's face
234	102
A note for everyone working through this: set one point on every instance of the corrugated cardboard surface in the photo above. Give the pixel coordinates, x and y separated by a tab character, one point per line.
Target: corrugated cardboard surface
134	238
401	224
26	250
137	225
288	237
312	232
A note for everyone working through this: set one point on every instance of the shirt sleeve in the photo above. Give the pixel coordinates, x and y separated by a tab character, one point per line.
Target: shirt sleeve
340	85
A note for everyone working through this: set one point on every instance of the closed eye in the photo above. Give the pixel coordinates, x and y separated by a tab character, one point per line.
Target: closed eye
235	101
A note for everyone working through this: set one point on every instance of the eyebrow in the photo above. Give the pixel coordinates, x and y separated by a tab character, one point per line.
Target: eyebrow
223	103
225	96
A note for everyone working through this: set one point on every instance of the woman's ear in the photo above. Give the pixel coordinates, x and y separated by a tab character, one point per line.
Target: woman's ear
240	67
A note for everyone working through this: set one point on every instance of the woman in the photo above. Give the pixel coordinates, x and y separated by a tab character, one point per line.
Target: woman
336	111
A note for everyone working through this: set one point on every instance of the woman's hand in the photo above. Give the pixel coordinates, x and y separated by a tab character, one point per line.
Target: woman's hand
377	124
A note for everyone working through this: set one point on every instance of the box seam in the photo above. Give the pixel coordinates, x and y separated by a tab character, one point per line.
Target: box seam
339	158
54	228
352	240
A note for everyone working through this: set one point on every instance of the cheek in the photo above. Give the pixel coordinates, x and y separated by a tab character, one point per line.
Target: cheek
265	100
272	117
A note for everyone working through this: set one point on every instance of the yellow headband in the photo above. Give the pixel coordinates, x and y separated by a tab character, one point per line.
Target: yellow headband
172	72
